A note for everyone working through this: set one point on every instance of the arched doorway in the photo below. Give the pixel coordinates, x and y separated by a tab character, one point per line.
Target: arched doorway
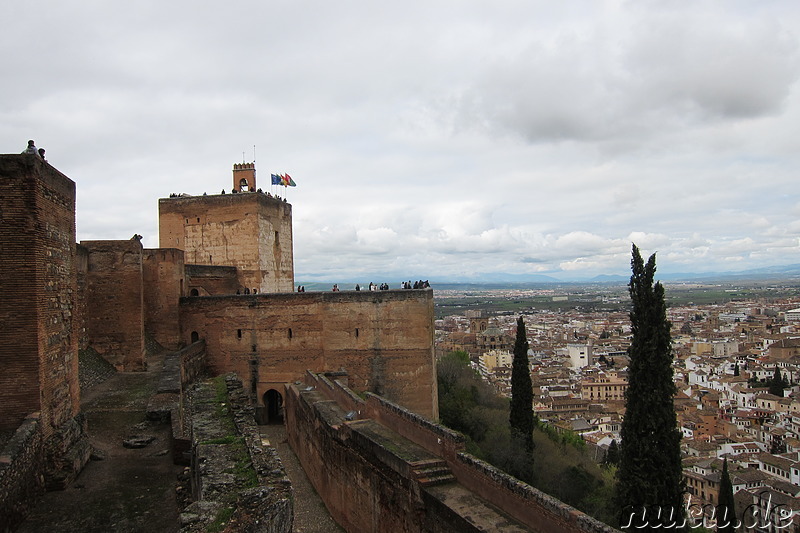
273	405
195	337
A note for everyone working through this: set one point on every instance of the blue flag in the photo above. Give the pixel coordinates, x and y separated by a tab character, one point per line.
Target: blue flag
276	180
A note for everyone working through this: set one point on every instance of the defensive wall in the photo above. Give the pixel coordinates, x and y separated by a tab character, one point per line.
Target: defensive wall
251	231
210	280
115	297
163	283
234	472
380	467
383	339
39	386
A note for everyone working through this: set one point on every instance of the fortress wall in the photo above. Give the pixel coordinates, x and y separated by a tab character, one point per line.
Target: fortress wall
530	506
115	295
250	231
39	337
356	495
82	267
21	468
383	340
163	285
210	280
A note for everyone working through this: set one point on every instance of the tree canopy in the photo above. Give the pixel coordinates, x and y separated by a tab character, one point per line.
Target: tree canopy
521	415
649	473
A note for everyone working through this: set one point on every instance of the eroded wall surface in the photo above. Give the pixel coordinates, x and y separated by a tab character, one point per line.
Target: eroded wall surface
383	339
38	337
163	285
250	231
115	302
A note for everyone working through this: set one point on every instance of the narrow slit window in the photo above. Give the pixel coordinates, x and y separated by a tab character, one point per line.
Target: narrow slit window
290	333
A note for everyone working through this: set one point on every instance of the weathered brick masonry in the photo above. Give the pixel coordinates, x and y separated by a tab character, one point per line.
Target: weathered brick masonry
163	283
39	338
383	339
358	456
250	231
114	296
39	385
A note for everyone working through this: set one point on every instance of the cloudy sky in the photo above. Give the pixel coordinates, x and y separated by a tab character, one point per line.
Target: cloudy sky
433	140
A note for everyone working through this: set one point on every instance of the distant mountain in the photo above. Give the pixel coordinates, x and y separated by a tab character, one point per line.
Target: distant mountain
785	272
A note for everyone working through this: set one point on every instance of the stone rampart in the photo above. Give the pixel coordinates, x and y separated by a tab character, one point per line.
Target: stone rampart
114	294
207	280
21	473
39	333
250	231
163	284
383	339
346	463
236	478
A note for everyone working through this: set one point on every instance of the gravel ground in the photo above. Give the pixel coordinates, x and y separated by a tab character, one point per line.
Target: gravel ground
128	490
310	514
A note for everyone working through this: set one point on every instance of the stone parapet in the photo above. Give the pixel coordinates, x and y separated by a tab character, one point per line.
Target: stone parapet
236	478
21	473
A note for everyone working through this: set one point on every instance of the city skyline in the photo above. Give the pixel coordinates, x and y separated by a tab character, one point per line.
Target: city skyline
442	141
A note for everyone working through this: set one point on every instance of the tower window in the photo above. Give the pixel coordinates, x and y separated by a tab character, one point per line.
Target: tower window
290	333
238	334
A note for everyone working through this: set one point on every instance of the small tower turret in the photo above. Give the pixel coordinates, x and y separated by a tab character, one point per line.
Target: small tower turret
244	177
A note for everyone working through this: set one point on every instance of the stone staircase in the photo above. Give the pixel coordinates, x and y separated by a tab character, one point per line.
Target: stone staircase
432	472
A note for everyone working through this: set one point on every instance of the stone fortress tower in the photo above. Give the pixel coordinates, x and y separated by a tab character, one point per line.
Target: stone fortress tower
247	230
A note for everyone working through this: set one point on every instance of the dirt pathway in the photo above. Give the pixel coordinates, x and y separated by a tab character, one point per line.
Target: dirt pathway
130	490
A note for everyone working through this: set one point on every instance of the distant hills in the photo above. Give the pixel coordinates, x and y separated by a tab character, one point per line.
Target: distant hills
486	280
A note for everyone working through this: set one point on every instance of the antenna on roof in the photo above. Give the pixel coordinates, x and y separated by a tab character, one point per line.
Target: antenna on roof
254	153
242	157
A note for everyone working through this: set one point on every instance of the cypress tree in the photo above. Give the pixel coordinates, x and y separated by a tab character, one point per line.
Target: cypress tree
776	383
649	473
521	415
612	455
726	510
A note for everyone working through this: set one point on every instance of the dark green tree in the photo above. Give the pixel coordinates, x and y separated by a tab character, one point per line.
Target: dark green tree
726	509
649	472
776	384
612	455
736	370
521	415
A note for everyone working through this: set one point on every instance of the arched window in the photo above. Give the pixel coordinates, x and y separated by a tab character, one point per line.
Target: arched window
243	185
194	292
195	337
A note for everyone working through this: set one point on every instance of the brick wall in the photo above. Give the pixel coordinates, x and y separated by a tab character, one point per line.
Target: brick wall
365	492
21	467
250	231
38	340
115	296
383	339
208	280
163	284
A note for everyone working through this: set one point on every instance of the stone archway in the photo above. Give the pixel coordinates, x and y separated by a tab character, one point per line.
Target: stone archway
273	407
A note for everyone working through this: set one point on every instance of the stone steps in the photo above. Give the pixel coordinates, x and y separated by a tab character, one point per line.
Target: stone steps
432	472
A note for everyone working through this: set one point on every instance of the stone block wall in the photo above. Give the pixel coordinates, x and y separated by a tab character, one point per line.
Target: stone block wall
249	231
21	473
383	340
262	502
39	336
115	296
163	285
346	471
207	280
